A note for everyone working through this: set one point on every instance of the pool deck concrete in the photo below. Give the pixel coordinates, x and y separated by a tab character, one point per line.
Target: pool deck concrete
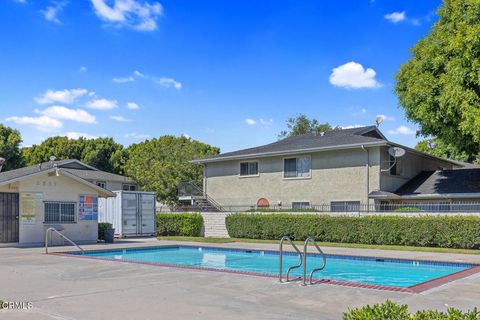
62	287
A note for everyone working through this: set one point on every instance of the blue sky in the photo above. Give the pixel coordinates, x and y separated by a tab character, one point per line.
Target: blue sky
228	73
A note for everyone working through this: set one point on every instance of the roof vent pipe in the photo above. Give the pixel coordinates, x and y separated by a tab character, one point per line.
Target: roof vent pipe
2	161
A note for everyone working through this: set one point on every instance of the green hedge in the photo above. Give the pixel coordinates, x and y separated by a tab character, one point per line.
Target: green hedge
101	229
179	224
427	231
391	310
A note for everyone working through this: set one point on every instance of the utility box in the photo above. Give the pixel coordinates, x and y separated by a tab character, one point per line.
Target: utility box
132	213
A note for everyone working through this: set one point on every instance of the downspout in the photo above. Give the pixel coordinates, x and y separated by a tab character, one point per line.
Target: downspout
367	179
204	179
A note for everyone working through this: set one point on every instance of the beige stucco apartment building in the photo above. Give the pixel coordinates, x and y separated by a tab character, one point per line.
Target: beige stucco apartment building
339	168
61	194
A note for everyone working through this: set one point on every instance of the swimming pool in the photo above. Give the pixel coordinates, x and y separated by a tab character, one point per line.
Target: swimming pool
395	273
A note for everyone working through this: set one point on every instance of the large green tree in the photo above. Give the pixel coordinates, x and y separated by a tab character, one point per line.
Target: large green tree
102	153
441	149
301	125
10	140
439	87
161	164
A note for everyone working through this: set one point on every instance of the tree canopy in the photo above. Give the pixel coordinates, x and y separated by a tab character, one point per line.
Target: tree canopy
301	125
10	140
102	153
442	149
439	87
162	163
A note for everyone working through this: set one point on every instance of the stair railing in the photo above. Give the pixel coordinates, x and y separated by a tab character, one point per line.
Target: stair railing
191	189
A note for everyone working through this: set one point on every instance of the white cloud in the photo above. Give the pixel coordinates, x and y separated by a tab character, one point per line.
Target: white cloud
163	81
354	76
363	110
169	83
353	126
50	13
82	69
78	135
396	17
42	123
138	136
21	1
402	130
59	112
62	96
186	136
102	104
124	79
120	119
266	122
137	15
385	118
133	106
250	122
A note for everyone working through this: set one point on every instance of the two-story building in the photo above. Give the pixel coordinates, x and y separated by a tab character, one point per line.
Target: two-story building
340	169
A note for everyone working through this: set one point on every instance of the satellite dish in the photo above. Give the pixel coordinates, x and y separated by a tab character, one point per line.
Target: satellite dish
378	120
396	152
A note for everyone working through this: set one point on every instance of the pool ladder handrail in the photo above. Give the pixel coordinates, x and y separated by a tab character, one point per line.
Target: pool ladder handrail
324	260
280	275
48	237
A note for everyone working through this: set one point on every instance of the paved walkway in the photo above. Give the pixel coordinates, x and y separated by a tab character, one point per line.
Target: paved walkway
63	287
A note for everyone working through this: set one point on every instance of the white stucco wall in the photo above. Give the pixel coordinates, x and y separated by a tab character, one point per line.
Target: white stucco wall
53	188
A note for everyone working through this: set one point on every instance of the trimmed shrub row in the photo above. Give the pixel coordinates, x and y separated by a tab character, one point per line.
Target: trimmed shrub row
391	310
179	224
427	231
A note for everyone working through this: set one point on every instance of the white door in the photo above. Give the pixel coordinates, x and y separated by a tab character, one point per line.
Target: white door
147	212
130	218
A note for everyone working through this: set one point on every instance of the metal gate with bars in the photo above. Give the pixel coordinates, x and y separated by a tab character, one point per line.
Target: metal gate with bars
9	214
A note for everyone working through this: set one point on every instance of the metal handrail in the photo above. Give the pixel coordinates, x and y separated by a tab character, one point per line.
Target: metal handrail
305	245
48	237
196	191
280	275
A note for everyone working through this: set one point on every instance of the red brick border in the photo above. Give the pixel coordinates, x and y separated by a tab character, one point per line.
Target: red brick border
418	288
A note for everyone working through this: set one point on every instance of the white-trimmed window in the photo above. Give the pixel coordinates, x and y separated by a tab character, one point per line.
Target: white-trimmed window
298	167
249	168
129	187
59	212
102	184
301	205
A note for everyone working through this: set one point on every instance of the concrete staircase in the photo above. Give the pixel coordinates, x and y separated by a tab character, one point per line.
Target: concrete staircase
214	224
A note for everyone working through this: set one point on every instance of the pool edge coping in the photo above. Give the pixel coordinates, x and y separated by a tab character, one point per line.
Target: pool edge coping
417	288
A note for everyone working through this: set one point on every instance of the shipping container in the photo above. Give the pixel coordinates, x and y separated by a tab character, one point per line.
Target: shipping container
132	213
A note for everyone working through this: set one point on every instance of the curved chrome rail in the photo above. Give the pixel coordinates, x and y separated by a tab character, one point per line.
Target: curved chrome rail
280	275
48	237
324	258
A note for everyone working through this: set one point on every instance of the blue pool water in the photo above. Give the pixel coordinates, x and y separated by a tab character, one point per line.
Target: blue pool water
389	272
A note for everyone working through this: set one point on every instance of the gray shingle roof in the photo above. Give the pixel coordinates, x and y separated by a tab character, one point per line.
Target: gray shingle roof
335	138
98	175
443	182
87	173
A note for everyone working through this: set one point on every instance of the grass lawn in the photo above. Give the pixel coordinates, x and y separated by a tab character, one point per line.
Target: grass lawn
324	244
